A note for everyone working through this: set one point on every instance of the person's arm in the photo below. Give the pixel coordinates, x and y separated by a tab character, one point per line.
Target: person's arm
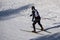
33	18
33	15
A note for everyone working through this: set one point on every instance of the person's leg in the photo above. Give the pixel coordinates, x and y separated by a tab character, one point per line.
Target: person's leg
34	26
40	25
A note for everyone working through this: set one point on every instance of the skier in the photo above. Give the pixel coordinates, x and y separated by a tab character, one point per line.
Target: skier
35	18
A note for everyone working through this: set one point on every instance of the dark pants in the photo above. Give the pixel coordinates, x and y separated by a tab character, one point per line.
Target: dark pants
37	20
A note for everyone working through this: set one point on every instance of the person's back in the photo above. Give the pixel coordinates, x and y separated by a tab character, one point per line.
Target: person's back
35	12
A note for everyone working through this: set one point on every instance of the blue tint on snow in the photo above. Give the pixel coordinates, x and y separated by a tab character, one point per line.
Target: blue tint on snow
9	12
55	36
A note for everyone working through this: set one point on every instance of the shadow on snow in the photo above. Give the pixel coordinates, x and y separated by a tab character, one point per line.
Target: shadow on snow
55	36
5	14
46	30
53	27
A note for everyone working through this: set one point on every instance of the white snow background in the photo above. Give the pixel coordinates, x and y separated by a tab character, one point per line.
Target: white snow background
15	20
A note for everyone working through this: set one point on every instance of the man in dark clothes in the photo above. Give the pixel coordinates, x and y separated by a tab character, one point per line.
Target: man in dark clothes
35	15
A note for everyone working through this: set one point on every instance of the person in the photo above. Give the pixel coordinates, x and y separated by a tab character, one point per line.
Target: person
35	18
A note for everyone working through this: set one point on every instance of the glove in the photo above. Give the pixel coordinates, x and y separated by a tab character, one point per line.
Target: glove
31	15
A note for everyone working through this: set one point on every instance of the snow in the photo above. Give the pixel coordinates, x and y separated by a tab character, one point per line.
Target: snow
15	20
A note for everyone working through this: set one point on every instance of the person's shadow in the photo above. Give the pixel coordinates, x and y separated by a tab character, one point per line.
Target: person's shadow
55	36
6	13
45	30
53	27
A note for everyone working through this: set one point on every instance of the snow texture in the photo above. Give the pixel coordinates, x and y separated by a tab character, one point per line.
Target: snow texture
15	20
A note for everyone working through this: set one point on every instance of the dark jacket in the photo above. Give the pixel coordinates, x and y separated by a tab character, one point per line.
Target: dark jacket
33	14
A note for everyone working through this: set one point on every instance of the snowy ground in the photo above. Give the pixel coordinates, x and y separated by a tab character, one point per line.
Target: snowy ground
15	21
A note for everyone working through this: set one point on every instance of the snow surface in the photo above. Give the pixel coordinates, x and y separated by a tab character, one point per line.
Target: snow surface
15	20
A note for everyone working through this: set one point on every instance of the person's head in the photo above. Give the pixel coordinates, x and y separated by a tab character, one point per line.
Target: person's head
33	8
